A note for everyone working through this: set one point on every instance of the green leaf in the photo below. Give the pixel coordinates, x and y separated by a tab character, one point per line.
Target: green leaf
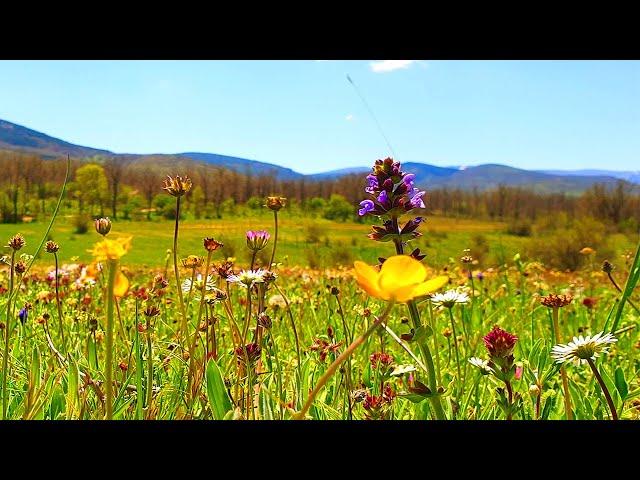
621	384
422	333
35	368
92	354
73	380
217	392
139	370
548	406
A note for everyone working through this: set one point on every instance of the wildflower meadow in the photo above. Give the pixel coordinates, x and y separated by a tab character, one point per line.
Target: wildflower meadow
209	334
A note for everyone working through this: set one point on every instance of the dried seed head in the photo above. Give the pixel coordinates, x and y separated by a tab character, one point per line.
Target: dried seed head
250	352
607	267
211	244
151	311
16	242
177	186
20	267
103	226
556	301
269	277
51	247
264	321
159	282
276	203
466	258
192	261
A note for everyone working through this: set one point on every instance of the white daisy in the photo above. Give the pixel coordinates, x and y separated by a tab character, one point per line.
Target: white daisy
483	365
582	348
197	284
449	298
248	278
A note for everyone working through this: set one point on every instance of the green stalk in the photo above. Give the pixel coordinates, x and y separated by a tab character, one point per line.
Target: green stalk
176	271
424	347
563	371
149	365
113	269
632	281
275	238
426	354
455	346
7	335
59	305
340	360
605	390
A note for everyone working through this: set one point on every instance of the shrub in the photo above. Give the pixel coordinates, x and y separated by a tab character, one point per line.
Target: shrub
81	223
479	247
520	228
338	208
561	249
313	232
313	257
341	255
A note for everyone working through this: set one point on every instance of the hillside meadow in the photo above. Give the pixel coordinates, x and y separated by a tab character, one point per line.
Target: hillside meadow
267	314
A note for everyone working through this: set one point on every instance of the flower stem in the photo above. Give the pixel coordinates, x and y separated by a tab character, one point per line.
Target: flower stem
340	360
7	334
275	239
563	371
605	390
426	354
455	346
295	333
176	271
113	268
149	366
424	348
59	305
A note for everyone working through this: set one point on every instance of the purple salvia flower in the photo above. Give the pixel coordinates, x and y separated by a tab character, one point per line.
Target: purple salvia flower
408	180
367	206
373	183
383	198
416	200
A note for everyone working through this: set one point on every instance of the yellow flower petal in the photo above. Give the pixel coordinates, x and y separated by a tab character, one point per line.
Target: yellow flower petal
367	278
400	271
111	249
430	286
121	285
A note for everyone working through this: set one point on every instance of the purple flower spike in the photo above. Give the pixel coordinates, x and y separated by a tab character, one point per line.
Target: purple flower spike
416	200
367	206
373	183
408	179
383	198
23	315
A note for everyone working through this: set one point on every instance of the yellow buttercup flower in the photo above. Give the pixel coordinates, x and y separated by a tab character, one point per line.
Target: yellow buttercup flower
111	249
401	278
121	285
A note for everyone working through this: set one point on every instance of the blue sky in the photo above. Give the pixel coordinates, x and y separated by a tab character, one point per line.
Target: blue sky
306	116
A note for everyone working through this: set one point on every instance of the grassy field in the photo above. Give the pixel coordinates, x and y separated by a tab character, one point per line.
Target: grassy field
306	242
267	351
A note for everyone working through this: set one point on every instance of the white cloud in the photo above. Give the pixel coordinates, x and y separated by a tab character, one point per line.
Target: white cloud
349	117
382	66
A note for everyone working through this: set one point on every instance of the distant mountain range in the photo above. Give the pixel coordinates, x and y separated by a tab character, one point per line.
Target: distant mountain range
18	138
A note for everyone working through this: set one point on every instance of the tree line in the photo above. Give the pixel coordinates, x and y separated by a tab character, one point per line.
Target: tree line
131	187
